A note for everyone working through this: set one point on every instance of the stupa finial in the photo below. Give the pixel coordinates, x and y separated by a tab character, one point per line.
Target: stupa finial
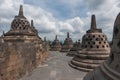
21	11
68	35
93	22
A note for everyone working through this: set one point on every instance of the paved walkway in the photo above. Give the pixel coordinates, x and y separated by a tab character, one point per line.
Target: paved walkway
55	68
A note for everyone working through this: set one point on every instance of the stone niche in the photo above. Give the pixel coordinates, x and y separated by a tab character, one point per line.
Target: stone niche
21	49
94	50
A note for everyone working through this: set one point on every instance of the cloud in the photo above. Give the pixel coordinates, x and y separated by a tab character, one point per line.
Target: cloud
46	24
93	4
106	14
53	17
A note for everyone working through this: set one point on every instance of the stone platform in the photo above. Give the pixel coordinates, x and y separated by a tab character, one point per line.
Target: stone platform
55	68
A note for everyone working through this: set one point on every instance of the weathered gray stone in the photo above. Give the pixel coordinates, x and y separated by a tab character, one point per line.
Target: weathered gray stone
56	46
46	45
95	49
76	47
21	49
68	44
110	69
55	68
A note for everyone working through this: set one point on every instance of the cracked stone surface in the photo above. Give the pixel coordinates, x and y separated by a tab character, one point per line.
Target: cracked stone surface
55	68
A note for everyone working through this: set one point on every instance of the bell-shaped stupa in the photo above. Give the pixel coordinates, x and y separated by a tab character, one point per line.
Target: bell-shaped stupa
21	49
95	49
76	47
110	69
68	44
56	46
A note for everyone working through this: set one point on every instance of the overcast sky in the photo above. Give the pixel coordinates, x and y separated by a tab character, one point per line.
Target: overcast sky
53	17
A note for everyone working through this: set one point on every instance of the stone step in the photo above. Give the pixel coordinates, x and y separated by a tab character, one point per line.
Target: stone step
97	56
79	68
90	61
90	52
84	65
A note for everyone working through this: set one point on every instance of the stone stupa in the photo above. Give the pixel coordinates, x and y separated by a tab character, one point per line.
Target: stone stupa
46	44
33	27
76	47
21	49
110	69
68	44
56	46
95	49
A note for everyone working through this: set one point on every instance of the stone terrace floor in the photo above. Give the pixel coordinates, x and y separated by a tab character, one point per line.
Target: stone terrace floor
55	68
